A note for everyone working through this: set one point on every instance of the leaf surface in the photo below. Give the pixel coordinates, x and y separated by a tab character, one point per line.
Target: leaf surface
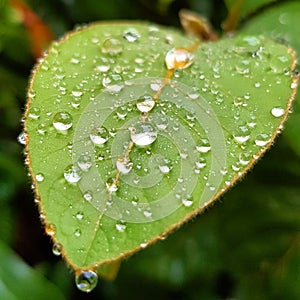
122	151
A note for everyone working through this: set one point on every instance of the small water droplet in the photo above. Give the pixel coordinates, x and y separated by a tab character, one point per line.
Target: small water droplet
99	135
22	138
120	227
62	121
34	113
124	165
131	35
112	185
203	146
113	83
262	140
242	134
57	249
277	112
84	162
145	104
39	177
178	58
86	280
112	46
76	93
72	174
121	112
88	196
143	134
79	215
50	229
187	202
77	232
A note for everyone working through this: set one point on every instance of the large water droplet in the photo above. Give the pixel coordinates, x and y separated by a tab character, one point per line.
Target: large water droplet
99	135
242	134
34	113
112	46
143	134
113	83
203	146
72	174
145	104
277	112
62	121
124	165
120	227
178	58
88	196
86	280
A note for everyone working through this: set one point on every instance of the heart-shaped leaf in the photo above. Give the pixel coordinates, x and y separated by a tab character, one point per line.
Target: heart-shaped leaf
132	129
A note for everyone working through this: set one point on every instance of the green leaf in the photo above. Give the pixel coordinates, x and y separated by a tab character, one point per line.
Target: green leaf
122	151
278	23
18	281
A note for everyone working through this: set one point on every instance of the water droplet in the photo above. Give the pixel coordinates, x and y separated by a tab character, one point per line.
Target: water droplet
277	112
145	104
77	93
112	185
88	196
77	232
50	229
99	135
34	113
121	112
201	163
203	146
178	58
120	227
22	138
244	158
143	134
86	280
147	214
242	134
113	83
112	46
72	174
84	162
187	202
79	215
39	177
124	165
131	35
62	121
262	140
57	249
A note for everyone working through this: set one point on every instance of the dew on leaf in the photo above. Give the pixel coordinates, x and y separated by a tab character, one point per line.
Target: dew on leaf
86	280
34	113
242	134
77	93
120	227
22	138
143	134
39	177
203	146
79	215
178	58
50	229
112	185
84	162
72	174
112	46
62	121
88	196
145	104
77	232
131	35
57	249
262	140
124	165
277	112
99	135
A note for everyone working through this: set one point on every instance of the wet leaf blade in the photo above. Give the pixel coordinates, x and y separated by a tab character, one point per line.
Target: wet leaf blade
210	126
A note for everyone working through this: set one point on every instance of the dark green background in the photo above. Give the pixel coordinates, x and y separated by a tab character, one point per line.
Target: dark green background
245	247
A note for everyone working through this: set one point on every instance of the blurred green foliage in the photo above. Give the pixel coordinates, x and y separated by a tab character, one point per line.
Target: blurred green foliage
245	247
